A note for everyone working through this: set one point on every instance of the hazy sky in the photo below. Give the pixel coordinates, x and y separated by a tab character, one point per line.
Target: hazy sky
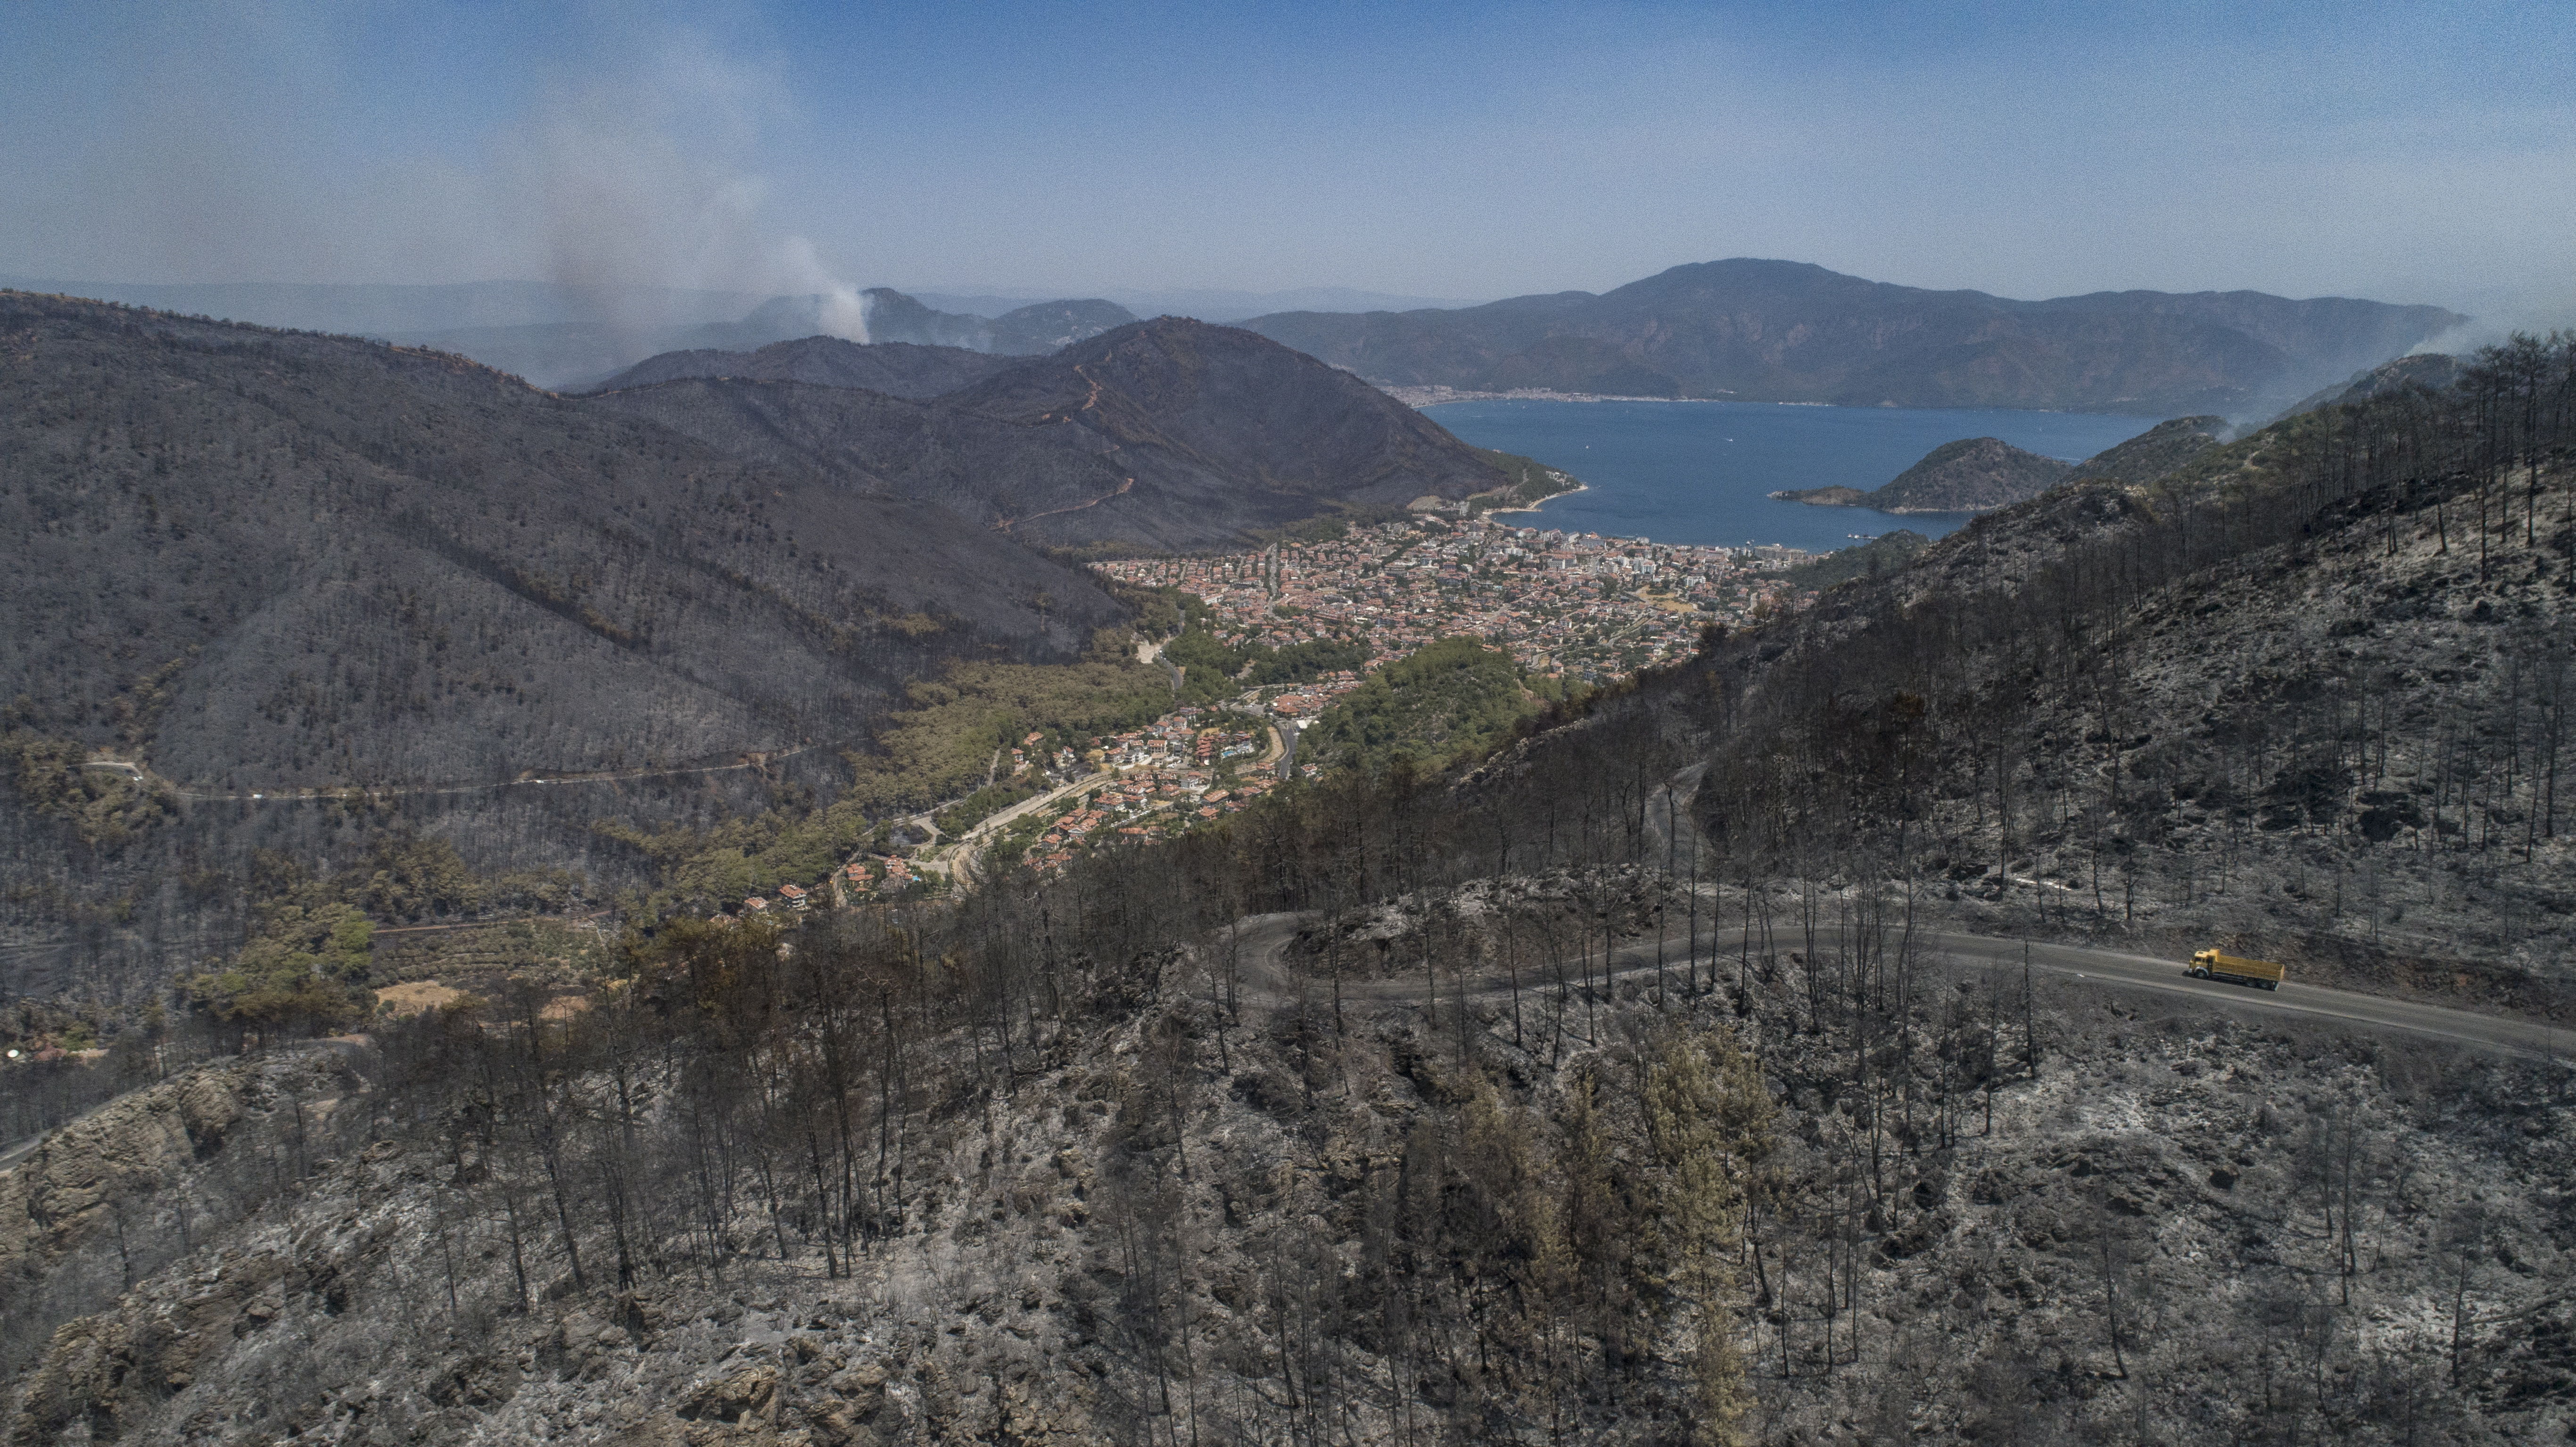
2408	153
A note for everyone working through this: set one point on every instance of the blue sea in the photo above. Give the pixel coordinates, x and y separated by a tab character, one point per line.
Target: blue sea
1699	472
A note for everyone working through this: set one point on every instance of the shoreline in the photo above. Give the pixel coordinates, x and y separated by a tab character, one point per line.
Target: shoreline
1438	396
1687	486
1435	395
1579	486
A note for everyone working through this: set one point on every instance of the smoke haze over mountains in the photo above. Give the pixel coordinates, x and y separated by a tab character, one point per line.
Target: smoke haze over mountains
633	188
1404	153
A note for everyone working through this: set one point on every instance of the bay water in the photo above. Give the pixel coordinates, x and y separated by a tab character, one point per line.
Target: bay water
1700	472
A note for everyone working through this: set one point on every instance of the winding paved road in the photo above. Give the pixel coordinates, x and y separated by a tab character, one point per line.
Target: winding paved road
1264	940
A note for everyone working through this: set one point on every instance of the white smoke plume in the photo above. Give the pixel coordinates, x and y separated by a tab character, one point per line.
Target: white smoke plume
841	309
647	182
635	178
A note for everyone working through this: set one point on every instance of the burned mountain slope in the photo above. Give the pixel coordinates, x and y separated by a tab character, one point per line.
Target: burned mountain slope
1167	434
988	473
253	563
2159	450
2300	694
1241	403
730	1203
338	562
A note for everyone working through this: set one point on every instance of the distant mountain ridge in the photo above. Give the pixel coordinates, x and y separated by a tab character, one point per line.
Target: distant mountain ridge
390	310
584	355
897	369
1781	331
1027	331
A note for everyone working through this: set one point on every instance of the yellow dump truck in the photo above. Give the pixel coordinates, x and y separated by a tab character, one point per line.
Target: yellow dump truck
2236	970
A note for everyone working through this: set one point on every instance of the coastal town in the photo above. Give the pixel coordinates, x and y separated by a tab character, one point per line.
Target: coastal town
1571	609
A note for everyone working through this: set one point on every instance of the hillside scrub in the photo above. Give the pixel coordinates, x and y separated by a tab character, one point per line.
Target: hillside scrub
102	807
304	969
1531	482
1214	670
943	742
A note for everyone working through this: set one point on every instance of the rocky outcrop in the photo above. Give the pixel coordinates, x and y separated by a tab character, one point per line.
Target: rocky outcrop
59	1196
139	1182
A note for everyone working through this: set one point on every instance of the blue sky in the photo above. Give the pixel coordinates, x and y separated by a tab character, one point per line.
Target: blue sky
2407	152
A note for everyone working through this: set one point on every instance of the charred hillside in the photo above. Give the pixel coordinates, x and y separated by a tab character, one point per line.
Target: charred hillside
257	562
2155	452
1275	419
2308	692
338	562
1977	474
1162	435
1260	1195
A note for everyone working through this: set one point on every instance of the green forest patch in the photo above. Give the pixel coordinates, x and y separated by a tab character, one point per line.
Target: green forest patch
1446	700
